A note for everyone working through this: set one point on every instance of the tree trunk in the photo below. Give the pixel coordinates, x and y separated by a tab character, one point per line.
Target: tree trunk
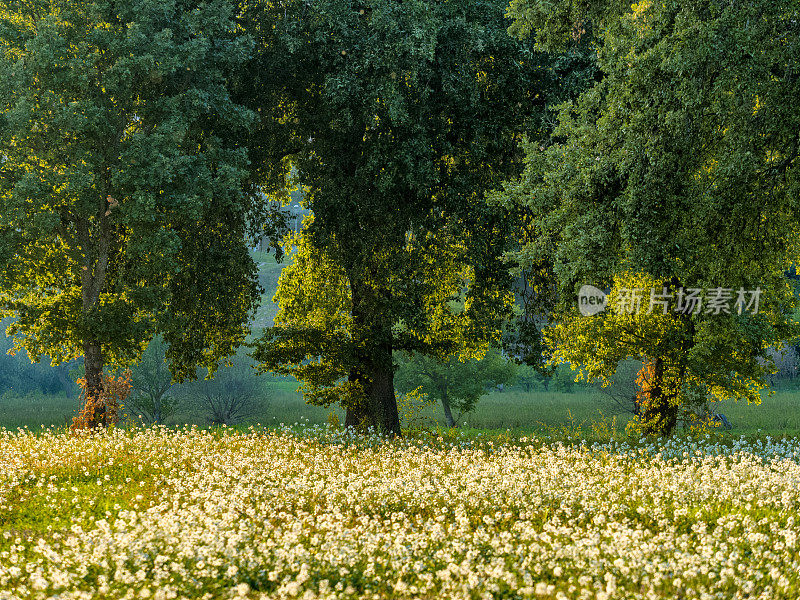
379	407
375	368
380	390
637	405
93	367
381	411
660	410
448	414
96	248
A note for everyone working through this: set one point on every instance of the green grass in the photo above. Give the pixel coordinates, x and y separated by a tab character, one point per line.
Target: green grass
281	404
268	272
514	409
517	409
34	410
778	414
286	406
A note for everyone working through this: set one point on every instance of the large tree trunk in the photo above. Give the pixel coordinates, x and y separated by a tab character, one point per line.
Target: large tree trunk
378	409
375	369
659	412
380	391
96	248
660	409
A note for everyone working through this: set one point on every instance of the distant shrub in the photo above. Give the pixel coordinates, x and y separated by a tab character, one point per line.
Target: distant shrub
563	379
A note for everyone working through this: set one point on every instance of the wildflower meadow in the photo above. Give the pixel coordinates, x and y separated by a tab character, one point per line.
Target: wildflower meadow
316	512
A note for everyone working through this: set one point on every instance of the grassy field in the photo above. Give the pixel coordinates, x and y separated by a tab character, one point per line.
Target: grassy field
515	409
315	513
280	404
778	414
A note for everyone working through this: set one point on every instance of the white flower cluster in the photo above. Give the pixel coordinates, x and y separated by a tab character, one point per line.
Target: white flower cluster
197	514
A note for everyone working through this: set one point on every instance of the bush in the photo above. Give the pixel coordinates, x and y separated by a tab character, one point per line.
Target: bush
563	379
234	395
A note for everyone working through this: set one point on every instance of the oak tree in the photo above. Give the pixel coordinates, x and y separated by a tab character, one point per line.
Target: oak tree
404	115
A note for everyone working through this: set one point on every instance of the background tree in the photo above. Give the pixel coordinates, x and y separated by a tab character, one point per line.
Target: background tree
562	379
530	378
19	375
232	395
122	211
457	384
152	394
405	115
678	169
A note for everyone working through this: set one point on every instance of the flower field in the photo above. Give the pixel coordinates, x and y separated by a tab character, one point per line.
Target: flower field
325	514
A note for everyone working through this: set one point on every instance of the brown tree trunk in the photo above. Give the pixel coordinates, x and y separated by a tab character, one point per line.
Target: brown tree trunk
354	418
380	390
660	410
96	246
379	407
375	368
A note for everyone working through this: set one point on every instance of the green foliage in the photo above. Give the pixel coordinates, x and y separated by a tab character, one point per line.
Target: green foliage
677	169
316	313
555	25
530	378
122	211
457	382
411	406
600	428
